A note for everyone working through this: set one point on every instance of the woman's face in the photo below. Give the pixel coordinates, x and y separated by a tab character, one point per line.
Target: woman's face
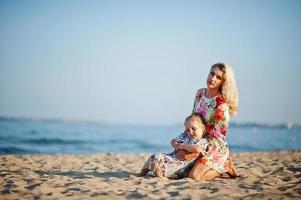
215	78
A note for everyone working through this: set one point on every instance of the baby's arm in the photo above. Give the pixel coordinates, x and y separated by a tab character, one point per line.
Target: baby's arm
174	143
177	140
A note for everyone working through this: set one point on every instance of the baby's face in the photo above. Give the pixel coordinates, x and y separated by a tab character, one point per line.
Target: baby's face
194	129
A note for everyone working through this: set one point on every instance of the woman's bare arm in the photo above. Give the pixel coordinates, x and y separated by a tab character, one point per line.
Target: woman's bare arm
190	148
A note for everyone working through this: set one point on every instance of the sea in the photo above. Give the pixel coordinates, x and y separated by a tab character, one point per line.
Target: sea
29	136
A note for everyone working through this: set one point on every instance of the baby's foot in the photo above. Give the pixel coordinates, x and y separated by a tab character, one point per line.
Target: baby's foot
143	172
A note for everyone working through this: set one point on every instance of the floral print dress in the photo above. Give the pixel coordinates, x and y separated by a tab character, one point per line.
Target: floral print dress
215	113
170	165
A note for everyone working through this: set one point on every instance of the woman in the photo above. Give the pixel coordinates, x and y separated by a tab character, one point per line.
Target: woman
215	104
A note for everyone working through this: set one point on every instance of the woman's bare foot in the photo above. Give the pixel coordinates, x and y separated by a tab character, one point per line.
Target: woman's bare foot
232	172
224	175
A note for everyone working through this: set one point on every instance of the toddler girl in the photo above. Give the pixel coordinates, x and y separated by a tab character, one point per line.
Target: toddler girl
191	141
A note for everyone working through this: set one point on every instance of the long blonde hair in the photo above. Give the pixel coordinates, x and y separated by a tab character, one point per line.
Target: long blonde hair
228	89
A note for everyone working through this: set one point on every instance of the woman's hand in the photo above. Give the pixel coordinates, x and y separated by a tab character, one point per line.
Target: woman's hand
185	155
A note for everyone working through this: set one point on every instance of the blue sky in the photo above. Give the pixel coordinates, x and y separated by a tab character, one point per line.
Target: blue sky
142	61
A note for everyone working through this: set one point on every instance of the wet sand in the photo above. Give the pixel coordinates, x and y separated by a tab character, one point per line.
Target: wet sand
264	175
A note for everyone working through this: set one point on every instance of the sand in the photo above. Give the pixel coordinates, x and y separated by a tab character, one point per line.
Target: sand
264	175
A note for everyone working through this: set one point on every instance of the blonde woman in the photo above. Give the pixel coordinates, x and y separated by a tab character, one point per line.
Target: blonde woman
216	104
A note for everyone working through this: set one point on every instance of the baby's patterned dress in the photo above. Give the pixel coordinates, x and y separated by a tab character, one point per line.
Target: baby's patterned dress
170	165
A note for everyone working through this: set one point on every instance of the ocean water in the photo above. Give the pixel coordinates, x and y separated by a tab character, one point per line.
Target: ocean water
20	136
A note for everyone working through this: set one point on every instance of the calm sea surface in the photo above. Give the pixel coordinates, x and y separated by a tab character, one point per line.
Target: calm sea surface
31	137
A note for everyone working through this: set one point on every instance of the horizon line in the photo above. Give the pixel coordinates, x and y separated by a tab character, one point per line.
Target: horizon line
289	125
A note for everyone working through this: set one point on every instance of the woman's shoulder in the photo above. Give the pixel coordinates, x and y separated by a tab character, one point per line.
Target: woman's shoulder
200	93
203	90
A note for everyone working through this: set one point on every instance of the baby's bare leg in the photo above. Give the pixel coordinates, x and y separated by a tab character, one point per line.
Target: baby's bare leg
158	172
155	168
146	167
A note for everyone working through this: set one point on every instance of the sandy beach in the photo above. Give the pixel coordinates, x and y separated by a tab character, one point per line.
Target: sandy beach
264	175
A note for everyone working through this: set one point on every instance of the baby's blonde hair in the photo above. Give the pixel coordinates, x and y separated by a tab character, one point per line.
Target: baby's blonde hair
197	118
228	89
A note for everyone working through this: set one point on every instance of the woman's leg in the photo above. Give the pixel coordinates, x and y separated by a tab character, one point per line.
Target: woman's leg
202	172
210	174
